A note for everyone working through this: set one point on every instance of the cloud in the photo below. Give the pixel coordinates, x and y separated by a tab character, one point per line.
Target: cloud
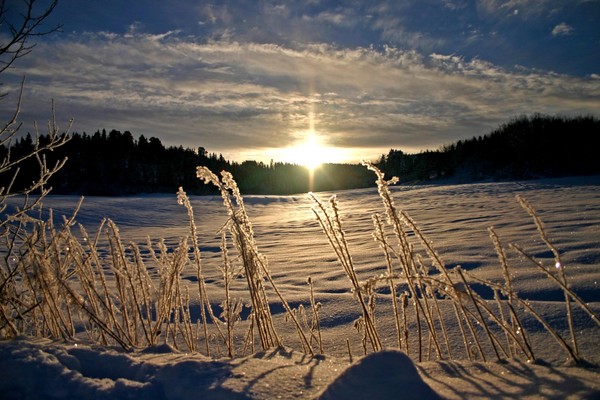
339	17
454	4
214	14
522	9
242	98
562	29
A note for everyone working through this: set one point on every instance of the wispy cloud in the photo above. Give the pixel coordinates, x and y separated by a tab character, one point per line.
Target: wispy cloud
523	9
252	99
562	29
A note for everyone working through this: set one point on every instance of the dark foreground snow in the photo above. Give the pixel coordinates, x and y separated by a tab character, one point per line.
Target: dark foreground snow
40	369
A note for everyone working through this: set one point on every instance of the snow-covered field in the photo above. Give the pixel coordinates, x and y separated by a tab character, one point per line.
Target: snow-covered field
454	218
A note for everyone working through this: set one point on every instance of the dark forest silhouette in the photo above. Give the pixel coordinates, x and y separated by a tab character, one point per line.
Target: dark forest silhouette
524	148
115	163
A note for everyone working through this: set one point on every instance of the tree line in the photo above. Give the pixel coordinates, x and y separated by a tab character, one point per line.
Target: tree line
115	163
526	147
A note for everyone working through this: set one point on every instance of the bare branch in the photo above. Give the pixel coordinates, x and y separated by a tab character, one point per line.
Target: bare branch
26	24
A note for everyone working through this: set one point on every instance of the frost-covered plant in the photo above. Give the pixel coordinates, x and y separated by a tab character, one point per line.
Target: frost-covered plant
558	265
405	254
331	223
315	321
254	263
242	236
68	287
312	324
559	277
18	29
471	311
380	236
184	200
232	307
13	304
57	283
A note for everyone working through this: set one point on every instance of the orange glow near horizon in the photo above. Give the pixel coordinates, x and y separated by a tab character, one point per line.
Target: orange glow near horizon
310	149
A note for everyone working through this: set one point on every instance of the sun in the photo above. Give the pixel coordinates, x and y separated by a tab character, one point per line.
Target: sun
311	153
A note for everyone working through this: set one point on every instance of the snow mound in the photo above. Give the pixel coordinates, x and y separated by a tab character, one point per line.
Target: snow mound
38	369
388	374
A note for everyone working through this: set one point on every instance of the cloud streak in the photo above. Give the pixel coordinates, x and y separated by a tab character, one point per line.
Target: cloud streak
562	29
250	99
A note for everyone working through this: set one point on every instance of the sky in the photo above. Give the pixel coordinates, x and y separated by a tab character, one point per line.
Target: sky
257	79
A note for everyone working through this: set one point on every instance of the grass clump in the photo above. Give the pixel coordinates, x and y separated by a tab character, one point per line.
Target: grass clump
330	222
254	264
62	282
481	325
